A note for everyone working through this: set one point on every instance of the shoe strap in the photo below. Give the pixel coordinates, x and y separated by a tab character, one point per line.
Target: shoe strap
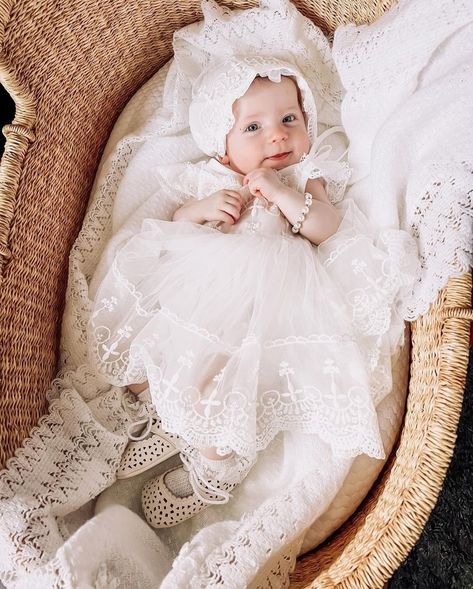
203	489
143	410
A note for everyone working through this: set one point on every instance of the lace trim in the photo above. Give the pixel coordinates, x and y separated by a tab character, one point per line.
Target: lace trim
222	419
40	483
263	548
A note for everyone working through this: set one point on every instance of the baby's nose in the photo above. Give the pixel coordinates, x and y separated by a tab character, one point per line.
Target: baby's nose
278	133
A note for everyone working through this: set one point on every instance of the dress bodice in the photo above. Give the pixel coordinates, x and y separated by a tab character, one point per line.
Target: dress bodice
202	178
257	217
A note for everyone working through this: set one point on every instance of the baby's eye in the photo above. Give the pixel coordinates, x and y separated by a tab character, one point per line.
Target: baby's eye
289	119
252	127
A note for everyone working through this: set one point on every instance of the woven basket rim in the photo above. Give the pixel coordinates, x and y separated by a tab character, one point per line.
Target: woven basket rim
19	134
399	515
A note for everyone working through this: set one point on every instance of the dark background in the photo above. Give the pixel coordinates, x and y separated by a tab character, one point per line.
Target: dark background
7	112
443	556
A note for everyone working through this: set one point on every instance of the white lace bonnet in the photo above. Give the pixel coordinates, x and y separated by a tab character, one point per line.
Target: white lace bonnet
221	56
217	88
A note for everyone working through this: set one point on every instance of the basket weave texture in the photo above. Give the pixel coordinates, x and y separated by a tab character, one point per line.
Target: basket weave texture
71	67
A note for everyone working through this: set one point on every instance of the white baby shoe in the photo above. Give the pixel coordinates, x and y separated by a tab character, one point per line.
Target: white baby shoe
182	492
149	445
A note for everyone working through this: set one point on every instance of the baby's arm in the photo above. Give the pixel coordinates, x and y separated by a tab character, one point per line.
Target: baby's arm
321	221
224	205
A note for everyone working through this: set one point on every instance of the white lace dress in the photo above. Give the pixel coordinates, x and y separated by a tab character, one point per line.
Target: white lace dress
244	331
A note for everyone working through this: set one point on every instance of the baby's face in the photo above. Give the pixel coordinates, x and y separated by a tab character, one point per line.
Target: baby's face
270	129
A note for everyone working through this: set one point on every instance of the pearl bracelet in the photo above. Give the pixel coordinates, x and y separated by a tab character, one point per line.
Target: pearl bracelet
305	209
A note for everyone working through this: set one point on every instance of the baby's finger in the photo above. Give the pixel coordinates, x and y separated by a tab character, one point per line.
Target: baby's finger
233	200
225	217
233	193
255	191
232	210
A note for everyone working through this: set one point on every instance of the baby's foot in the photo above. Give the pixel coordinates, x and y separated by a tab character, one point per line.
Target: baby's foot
179	494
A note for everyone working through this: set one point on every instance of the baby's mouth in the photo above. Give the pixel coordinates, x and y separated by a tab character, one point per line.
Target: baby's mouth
279	156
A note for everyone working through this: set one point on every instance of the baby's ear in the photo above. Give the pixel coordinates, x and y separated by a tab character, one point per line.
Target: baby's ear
224	159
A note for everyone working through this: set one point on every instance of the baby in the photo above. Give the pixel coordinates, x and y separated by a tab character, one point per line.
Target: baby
269	134
246	316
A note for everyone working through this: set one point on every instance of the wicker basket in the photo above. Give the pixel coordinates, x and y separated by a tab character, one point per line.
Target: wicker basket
71	66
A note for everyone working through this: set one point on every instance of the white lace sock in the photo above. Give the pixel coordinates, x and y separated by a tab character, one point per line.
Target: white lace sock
219	467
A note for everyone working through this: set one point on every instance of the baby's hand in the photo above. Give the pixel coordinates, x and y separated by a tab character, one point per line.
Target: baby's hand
223	205
265	182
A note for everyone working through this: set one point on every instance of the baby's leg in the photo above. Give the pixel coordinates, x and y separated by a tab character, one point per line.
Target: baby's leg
207	384
211	453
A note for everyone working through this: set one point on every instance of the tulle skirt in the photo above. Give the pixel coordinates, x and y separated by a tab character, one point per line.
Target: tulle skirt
242	336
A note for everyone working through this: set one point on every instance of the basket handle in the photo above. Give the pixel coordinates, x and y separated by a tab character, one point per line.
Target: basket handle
458	313
19	130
